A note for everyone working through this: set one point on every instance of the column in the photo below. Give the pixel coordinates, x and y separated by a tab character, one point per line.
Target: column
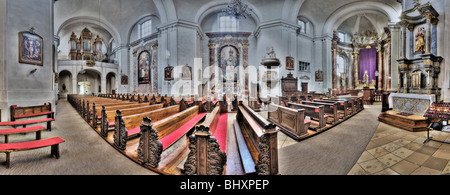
245	55
404	30
389	75
154	68
395	54
212	59
355	70
428	34
380	67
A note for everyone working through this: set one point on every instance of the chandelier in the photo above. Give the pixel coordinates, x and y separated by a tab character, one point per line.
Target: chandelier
237	9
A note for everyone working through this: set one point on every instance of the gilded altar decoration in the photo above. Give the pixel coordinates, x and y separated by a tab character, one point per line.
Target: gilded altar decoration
30	48
420	40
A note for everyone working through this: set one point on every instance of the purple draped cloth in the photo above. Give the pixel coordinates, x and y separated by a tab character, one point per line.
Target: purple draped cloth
368	61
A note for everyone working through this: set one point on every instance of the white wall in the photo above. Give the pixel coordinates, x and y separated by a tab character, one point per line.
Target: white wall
22	87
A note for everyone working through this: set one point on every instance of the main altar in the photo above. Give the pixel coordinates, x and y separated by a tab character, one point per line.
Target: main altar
418	67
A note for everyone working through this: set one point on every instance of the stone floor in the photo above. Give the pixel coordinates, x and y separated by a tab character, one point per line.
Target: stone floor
393	151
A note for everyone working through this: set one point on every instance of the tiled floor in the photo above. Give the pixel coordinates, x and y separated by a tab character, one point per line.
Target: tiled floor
393	151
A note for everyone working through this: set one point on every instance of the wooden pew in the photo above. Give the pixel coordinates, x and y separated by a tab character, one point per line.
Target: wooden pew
209	139
257	141
291	121
330	109
108	115
158	137
343	107
128	127
31	111
316	112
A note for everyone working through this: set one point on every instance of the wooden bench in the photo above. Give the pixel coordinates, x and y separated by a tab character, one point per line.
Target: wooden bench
342	107
257	138
107	116
31	111
291	121
316	112
128	127
209	139
330	109
7	132
29	122
157	138
22	146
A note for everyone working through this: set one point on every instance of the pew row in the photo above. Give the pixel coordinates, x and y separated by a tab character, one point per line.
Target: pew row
291	121
257	141
208	140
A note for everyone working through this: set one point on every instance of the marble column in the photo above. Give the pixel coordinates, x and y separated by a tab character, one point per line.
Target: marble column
245	55
389	74
355	70
212	59
154	66
428	34
380	68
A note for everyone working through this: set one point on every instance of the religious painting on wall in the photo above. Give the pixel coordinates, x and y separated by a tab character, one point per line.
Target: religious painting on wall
30	48
319	76
124	80
229	63
420	40
168	73
144	67
186	73
290	63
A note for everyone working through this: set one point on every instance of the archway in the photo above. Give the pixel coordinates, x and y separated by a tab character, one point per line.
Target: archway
111	83
88	82
64	84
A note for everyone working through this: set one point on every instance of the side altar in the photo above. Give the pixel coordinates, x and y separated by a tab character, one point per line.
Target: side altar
419	68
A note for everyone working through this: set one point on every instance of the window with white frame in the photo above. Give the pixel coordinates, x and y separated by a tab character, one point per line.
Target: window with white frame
342	36
341	64
303	25
228	24
145	28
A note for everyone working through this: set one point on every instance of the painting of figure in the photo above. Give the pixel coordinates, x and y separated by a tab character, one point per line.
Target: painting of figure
229	63
420	40
290	63
186	73
30	48
144	67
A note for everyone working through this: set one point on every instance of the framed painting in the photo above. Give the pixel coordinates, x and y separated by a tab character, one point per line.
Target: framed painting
168	73
290	63
30	48
229	59
186	73
319	76
144	67
124	80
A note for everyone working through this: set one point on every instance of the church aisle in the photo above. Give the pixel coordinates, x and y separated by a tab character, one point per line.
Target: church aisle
83	153
333	152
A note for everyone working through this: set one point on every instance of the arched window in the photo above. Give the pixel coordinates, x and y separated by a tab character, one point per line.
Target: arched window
303	26
145	28
228	24
341	63
342	36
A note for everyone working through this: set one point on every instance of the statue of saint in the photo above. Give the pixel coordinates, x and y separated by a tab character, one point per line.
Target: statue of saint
366	79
